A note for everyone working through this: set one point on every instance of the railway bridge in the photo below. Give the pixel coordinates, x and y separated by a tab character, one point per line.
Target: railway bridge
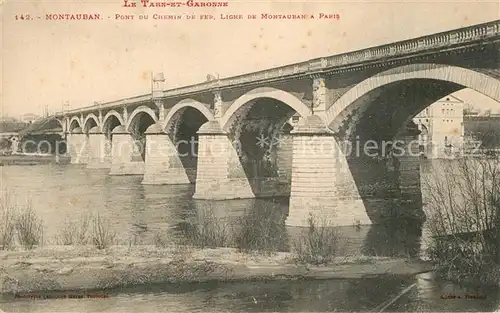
323	131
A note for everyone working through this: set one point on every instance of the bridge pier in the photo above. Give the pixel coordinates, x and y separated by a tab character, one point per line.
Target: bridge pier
162	165
97	149
126	158
220	175
77	146
322	183
284	161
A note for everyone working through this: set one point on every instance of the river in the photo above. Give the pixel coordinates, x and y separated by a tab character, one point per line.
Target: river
61	194
136	212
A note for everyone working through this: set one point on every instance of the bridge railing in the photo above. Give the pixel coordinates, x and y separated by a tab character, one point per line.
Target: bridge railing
440	40
435	41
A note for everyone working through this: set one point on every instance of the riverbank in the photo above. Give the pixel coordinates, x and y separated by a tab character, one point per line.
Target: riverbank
25	159
60	268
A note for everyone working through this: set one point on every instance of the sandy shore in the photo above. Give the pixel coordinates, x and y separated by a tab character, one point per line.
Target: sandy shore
83	268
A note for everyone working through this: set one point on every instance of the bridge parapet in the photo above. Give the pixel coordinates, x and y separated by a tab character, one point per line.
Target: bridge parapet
440	40
108	105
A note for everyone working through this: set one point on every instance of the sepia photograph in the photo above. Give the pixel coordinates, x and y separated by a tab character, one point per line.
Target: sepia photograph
250	156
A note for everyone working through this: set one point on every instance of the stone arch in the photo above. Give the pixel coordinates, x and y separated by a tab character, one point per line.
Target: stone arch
86	126
115	114
182	123
141	109
178	108
379	110
467	78
263	92
110	121
137	124
74	123
255	125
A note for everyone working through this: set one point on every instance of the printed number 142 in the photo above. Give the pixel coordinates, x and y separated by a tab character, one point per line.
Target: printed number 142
23	17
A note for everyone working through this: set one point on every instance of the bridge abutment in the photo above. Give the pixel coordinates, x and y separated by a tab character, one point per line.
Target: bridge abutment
220	175
97	150
126	158
162	165
322	183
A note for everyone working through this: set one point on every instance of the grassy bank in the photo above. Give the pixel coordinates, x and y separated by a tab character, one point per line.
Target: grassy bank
86	267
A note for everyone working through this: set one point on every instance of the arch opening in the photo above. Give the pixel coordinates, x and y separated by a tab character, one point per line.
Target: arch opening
185	125
137	128
387	131
89	124
109	124
260	135
74	124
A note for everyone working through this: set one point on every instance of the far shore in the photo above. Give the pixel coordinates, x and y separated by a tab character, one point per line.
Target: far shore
71	268
32	159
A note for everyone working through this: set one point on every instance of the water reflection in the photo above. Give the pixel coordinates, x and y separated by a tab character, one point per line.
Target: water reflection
397	238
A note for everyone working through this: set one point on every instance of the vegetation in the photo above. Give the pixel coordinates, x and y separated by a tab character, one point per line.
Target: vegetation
29	228
102	236
261	231
88	229
208	231
463	209
485	130
75	232
7	224
18	222
319	245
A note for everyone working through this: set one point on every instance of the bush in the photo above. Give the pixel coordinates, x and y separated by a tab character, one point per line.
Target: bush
208	231
7	224
102	236
319	245
76	233
463	209
262	231
29	228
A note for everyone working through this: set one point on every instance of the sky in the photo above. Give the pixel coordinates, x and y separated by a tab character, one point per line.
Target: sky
46	63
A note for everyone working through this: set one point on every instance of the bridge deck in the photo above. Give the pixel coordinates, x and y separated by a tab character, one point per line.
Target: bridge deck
438	41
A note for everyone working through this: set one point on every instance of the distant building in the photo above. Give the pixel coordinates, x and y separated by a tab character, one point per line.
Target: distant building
442	128
29	118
